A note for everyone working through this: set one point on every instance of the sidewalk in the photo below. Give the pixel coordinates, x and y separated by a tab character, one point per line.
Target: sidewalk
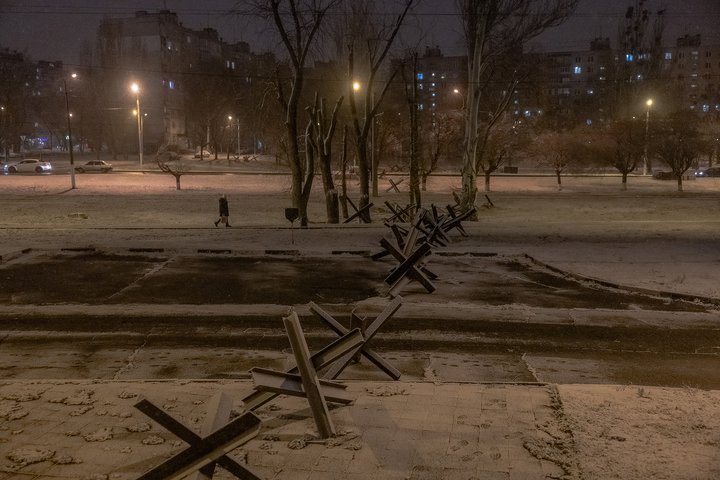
85	430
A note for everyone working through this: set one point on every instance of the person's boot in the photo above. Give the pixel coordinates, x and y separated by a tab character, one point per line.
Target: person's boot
228	225
216	223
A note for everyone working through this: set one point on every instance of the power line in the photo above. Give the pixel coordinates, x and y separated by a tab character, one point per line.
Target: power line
110	10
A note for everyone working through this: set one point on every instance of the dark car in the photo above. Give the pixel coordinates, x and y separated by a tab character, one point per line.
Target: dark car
661	175
708	172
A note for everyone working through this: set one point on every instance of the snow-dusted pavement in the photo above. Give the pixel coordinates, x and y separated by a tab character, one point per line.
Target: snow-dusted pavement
649	237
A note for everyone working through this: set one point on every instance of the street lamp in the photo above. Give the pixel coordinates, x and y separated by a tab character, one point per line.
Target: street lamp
356	86
457	91
230	117
70	145
136	90
4	140
649	103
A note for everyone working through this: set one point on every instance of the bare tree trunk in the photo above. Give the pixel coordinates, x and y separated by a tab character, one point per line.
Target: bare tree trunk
414	143
559	179
297	28
487	181
362	126
514	22
679	183
343	181
323	130
624	181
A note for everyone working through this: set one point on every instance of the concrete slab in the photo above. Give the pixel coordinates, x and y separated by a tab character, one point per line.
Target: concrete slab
83	430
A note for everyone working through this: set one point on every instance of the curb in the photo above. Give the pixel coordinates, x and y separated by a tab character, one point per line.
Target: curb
639	290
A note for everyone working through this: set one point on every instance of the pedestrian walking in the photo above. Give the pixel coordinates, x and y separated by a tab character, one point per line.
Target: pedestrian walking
224	211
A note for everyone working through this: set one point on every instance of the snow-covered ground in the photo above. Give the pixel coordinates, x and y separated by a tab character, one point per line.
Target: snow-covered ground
648	237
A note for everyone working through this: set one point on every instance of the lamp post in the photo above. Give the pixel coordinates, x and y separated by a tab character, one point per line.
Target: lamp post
457	91
70	144
136	90
649	103
237	123
373	168
4	134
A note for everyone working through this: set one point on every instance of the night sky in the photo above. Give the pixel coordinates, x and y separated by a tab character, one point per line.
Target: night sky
56	29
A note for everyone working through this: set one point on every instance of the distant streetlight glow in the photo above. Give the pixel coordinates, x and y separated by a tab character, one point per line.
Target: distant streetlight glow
4	144
69	135
649	103
237	123
356	86
135	88
457	91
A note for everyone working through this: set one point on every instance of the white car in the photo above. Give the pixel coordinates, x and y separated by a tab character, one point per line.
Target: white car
95	166
29	165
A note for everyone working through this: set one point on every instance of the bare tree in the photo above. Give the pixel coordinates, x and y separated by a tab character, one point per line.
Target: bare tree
298	24
559	151
495	29
170	162
498	145
320	136
411	95
440	142
626	148
677	146
378	41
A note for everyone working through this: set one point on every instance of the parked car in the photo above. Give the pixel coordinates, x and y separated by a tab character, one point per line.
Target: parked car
28	165
95	166
661	175
708	172
205	154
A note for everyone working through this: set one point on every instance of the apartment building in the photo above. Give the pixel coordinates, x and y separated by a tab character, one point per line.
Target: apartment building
694	69
155	50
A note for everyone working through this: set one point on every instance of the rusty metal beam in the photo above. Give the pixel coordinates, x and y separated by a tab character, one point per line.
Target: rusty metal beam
320	360
202	451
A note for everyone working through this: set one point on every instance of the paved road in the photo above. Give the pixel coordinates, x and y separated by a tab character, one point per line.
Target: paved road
493	318
127	278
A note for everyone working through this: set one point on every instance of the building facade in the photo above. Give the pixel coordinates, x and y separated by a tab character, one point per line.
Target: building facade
155	50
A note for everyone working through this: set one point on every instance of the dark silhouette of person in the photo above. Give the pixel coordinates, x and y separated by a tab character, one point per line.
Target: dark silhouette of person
224	211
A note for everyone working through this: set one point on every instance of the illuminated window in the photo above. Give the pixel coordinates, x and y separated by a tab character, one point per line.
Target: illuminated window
628	57
668	55
577	70
420	76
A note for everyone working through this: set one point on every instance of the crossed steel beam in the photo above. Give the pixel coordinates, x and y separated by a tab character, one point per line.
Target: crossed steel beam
270	383
204	452
362	349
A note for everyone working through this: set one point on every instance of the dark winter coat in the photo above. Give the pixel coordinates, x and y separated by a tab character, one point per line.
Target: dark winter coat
224	210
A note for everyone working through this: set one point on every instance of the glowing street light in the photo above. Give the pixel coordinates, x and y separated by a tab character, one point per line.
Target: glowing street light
230	118
135	88
456	91
70	145
357	86
4	141
649	103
